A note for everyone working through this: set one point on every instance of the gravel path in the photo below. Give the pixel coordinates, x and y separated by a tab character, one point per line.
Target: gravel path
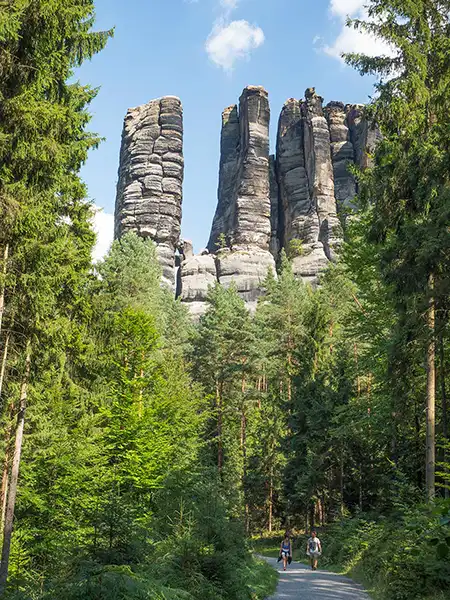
300	583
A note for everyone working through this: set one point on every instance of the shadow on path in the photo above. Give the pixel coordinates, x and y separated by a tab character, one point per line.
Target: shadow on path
300	583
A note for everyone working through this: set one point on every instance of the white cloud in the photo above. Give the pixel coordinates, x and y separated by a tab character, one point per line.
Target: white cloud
229	4
229	42
344	8
353	40
104	228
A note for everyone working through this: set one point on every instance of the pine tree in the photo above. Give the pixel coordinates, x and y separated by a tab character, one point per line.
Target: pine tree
223	360
409	183
46	232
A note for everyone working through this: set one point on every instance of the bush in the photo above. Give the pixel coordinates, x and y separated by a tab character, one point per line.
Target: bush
404	557
193	550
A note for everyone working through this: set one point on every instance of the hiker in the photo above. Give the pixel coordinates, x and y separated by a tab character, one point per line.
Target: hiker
313	549
286	551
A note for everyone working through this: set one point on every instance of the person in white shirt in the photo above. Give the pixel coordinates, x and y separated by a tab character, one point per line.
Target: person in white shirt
313	549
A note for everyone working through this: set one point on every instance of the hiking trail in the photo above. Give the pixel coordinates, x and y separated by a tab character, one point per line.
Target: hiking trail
300	583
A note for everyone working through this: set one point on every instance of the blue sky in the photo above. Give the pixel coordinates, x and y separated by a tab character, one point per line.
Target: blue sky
206	52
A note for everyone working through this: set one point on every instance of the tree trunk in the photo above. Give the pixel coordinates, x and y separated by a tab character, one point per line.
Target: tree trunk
431	397
219	425
312	515
244	446
341	482
11	503
444	414
289	382
7	441
270	502
360	488
418	415
141	376
358	380
244	454
4	362
394	436
2	288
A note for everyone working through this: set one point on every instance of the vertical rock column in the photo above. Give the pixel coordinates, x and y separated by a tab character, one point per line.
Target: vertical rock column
149	189
251	224
243	214
243	231
342	155
363	135
298	211
319	170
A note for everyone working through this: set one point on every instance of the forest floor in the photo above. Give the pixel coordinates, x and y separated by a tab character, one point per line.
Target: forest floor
300	583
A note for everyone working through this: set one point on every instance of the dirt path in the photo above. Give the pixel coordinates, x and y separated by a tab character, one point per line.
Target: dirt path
300	583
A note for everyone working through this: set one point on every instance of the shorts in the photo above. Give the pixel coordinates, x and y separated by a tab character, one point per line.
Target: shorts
314	555
285	554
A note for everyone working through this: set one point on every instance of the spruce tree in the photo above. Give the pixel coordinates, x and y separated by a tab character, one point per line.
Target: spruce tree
46	234
409	183
223	360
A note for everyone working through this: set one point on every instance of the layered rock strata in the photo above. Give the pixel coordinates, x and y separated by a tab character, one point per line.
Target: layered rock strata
342	155
316	188
297	199
149	189
274	245
243	213
198	273
306	186
243	228
363	135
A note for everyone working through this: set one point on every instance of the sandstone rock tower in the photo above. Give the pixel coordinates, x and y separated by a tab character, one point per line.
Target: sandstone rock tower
149	189
239	244
297	199
304	169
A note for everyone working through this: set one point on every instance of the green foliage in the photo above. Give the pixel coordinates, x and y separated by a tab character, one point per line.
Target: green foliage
404	557
295	248
115	499
221	243
152	447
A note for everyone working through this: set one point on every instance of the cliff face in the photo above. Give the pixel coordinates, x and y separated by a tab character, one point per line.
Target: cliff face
149	189
297	199
306	188
242	227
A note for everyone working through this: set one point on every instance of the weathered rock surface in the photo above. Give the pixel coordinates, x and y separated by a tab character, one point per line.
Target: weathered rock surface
306	186
223	223
297	199
342	155
198	273
246	269
244	224
149	189
319	170
298	215
363	135
243	210
315	147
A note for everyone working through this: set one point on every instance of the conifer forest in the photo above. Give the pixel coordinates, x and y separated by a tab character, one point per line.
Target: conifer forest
144	455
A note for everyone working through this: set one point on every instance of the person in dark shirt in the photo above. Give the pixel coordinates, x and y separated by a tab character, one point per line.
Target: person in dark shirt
285	551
